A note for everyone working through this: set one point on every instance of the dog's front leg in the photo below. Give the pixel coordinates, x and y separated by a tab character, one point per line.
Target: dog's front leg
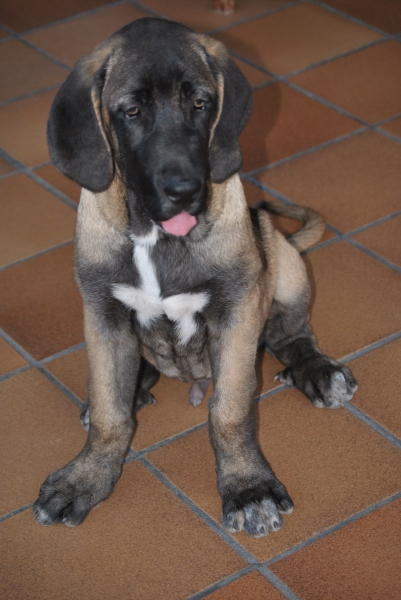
252	496
68	494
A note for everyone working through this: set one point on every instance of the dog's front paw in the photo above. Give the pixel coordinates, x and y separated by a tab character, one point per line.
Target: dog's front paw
326	382
68	494
257	509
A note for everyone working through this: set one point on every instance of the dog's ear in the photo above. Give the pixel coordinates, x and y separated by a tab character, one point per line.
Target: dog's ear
78	144
235	105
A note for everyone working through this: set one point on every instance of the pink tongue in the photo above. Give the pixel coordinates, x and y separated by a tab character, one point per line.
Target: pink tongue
180	224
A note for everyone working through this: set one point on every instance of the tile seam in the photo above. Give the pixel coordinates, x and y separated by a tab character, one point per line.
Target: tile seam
28	95
332	529
15	512
372	254
201	514
277	582
370	348
36	255
62	353
14	372
218	585
350	18
367	420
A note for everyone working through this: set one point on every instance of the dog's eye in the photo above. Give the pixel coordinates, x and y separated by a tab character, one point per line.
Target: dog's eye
199	104
132	112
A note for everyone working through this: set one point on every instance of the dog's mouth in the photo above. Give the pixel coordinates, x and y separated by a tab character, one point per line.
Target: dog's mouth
180	224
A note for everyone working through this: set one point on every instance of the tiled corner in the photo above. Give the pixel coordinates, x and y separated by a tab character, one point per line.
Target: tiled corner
40	306
70	40
385	15
384	239
199	16
295	38
23	128
31	219
284	122
253	75
365	83
358	562
10	360
141	543
334	180
331	463
379	378
68	187
40	432
23	70
393	127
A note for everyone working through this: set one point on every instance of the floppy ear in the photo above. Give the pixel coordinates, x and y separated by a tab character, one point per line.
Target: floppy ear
77	141
235	107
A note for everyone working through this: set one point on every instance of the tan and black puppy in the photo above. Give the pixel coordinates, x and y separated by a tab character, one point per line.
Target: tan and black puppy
177	275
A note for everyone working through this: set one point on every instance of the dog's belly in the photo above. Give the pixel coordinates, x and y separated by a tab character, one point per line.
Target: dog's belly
162	348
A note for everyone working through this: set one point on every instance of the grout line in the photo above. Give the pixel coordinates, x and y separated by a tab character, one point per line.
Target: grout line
308	151
350	18
372	254
169	440
367	349
260	15
278	583
80	15
338	526
16	512
367	420
374	223
63	353
222	583
54	86
147	8
322	245
15	372
40	50
387	134
207	520
33	256
38	365
332	529
10	174
273	392
30	173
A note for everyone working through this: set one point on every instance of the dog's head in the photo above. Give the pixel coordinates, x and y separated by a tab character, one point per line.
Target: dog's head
160	105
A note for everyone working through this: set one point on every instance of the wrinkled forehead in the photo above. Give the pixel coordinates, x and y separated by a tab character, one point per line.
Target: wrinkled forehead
161	66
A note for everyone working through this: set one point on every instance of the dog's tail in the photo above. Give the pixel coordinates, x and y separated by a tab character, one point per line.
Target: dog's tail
313	224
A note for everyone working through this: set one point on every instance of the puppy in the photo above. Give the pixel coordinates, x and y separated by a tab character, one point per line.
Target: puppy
177	275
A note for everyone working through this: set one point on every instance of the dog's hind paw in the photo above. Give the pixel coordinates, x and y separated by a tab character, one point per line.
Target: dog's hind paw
326	382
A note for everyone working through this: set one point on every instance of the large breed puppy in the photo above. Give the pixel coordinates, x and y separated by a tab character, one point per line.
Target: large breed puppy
177	275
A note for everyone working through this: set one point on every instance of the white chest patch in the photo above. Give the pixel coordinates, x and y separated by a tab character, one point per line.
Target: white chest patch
147	301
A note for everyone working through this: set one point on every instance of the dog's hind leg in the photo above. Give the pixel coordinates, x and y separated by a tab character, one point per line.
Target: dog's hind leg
326	382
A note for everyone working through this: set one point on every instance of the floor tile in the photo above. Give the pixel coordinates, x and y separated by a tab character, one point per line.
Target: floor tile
40	432
385	239
348	287
18	15
365	83
73	39
284	122
31	219
385	14
23	70
295	38
40	306
344	181
23	128
50	174
173	413
254	76
9	358
199	16
331	463
253	585
358	562
141	541
286	226
393	127
379	378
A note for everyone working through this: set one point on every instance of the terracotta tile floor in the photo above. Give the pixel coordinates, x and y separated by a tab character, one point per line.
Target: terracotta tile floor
325	132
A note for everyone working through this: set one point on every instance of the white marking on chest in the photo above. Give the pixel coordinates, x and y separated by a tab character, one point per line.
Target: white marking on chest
147	301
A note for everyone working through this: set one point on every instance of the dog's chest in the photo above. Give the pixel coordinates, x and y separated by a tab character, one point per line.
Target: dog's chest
151	306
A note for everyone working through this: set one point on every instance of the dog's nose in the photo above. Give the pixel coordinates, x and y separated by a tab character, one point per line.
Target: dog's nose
180	190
